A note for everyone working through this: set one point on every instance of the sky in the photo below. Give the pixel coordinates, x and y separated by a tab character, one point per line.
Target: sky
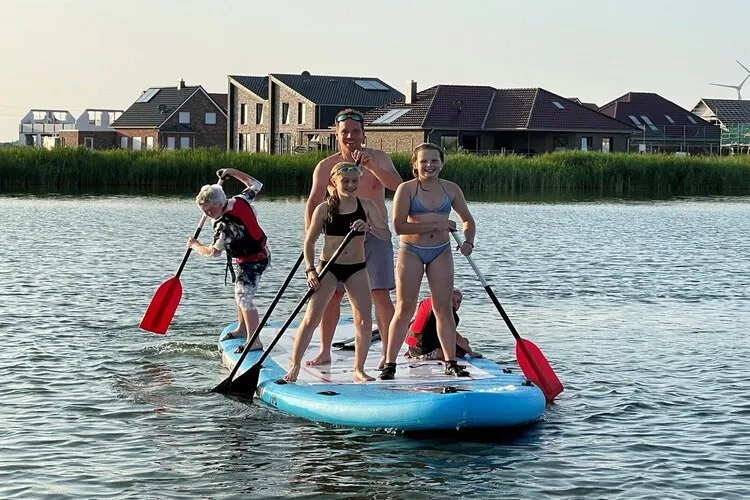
78	54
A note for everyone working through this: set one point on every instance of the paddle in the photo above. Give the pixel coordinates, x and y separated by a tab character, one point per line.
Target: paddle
247	383
531	360
348	344
164	303
225	387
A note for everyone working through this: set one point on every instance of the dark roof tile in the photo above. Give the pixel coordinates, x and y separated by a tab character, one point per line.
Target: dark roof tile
148	114
258	85
729	111
653	106
339	90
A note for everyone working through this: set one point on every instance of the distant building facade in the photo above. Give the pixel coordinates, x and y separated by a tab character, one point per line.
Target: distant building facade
664	127
486	120
283	113
92	129
732	117
41	127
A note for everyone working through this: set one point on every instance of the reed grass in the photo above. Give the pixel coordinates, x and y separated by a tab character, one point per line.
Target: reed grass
161	171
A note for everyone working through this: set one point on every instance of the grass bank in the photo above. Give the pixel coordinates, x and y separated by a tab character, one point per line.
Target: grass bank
173	171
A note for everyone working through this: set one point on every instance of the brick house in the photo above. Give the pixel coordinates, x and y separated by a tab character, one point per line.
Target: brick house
180	117
664	127
487	120
282	113
92	130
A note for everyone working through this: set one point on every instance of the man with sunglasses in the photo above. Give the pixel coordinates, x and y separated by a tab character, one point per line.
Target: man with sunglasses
378	173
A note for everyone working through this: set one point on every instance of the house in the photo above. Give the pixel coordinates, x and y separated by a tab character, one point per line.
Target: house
282	113
664	126
41	127
732	117
92	129
484	119
178	117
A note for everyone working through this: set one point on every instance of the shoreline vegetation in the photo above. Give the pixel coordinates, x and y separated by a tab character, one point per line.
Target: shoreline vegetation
177	172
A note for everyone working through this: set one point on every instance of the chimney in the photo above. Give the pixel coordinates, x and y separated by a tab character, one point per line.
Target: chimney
181	84
411	91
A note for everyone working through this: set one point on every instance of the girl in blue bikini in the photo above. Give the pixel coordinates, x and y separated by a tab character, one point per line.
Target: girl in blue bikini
421	208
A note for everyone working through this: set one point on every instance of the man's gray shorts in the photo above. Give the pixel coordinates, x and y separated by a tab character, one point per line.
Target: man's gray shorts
379	258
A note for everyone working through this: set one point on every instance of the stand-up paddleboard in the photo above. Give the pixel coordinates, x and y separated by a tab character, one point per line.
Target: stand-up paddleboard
421	398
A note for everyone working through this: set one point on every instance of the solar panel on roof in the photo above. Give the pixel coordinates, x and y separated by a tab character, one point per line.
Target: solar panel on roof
370	84
148	95
391	116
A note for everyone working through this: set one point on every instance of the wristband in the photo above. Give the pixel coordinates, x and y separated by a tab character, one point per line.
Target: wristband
310	269
470	243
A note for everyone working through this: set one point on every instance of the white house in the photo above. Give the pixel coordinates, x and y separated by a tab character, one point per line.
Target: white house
93	119
40	127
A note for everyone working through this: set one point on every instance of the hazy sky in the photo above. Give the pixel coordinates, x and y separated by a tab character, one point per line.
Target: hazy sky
72	54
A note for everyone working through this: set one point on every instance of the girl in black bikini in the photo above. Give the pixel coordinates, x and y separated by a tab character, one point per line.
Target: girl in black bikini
340	213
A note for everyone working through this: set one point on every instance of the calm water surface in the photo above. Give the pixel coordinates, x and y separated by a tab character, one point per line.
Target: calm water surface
641	308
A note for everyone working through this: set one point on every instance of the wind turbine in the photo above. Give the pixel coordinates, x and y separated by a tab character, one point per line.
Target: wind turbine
737	87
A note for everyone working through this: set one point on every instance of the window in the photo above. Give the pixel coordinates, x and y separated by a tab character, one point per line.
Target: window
300	113
370	84
124	142
587	143
185	117
285	113
88	142
184	142
243	114
261	146
170	143
669	119
210	118
558	105
560	142
449	143
650	124
692	120
258	113
150	142
40	115
634	119
606	144
391	116
147	95
136	143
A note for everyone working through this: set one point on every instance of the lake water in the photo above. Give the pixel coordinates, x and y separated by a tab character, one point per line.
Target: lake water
641	307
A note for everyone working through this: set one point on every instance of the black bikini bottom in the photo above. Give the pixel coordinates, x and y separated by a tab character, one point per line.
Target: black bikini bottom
343	272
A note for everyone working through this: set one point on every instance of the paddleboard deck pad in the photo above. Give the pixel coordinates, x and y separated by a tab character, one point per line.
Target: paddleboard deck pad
421	398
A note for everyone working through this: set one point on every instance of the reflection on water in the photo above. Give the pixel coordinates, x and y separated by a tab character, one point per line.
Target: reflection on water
641	306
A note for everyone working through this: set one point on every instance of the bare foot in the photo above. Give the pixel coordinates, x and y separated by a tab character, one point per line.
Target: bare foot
381	365
361	376
323	358
291	375
234	334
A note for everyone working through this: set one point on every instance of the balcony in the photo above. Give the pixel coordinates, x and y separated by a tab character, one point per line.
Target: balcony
44	128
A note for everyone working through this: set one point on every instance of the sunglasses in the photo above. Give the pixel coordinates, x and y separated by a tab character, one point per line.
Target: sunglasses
354	116
347	168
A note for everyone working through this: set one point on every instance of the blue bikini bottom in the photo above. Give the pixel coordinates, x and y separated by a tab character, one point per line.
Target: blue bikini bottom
425	254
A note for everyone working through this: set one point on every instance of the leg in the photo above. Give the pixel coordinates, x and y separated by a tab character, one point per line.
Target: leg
248	278
328	329
409	272
358	290
379	257
313	314
440	279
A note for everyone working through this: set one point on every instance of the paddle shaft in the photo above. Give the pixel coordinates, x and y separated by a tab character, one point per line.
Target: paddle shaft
349	236
195	236
262	323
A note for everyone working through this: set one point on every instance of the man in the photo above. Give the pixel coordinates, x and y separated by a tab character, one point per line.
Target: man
423	341
378	173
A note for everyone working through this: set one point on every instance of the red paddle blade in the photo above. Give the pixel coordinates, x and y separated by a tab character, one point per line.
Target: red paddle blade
163	304
537	369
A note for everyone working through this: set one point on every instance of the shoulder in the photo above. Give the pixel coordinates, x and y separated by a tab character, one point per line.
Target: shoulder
451	188
378	155
325	165
407	186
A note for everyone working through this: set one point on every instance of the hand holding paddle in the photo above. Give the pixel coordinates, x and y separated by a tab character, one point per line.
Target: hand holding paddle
531	360
164	302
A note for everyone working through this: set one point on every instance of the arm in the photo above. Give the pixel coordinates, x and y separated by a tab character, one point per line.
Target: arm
401	201
469	226
317	192
311	237
464	344
204	250
380	164
247	180
378	225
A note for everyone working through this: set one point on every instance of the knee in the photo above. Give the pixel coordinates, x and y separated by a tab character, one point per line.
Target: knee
246	303
442	310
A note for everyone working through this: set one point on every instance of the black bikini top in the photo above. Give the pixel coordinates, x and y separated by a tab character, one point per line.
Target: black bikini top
341	223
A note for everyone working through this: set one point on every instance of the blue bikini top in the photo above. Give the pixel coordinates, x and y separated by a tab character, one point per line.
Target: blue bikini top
416	207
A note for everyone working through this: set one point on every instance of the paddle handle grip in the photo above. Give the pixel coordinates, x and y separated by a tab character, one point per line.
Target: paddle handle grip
349	236
489	291
195	236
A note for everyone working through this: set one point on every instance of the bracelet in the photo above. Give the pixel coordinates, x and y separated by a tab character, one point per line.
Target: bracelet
310	269
470	243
